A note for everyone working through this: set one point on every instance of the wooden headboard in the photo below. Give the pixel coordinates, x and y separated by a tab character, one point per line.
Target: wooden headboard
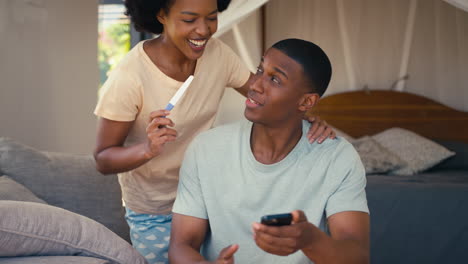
368	112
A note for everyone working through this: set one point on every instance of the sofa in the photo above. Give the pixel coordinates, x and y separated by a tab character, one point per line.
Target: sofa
57	208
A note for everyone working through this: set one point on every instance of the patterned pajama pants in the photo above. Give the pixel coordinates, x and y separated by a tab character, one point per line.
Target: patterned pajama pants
150	235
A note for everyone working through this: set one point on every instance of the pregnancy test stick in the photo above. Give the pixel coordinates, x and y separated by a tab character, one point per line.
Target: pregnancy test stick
179	93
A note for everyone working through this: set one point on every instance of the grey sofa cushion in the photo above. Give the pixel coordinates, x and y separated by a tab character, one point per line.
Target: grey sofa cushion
11	190
53	260
67	181
34	229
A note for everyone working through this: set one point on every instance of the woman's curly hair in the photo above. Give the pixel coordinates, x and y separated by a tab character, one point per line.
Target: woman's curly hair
143	13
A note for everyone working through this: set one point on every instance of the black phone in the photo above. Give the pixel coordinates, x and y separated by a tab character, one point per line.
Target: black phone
277	219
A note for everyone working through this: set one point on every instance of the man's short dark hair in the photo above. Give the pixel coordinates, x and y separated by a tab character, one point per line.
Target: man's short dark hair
312	58
143	13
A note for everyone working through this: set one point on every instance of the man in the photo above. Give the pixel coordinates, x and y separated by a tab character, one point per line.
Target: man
233	175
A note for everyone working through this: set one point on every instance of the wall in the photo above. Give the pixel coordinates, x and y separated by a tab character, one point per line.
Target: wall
233	104
48	73
370	41
366	41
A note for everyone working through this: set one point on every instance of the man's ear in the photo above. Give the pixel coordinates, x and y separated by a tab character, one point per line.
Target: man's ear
308	101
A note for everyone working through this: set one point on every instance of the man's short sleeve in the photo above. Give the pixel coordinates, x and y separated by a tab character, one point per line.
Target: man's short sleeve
120	97
190	200
350	179
238	73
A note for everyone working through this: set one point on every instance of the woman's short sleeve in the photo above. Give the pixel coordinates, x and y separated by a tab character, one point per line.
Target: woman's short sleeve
239	73
120	97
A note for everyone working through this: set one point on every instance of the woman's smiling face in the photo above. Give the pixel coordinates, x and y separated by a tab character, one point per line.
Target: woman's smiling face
189	25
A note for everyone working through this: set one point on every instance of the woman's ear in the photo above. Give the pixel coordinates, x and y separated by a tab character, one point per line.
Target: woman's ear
161	16
308	101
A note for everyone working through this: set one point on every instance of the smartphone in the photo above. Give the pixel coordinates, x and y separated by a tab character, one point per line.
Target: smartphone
277	219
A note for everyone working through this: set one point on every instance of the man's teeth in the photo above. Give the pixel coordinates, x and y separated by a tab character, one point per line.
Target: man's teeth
197	43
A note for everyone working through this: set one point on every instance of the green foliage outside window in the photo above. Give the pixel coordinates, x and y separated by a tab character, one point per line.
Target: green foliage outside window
113	44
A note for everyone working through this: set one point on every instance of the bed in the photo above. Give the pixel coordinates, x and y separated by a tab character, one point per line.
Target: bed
418	218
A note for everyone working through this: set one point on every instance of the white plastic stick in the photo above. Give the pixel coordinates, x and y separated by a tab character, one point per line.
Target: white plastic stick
179	93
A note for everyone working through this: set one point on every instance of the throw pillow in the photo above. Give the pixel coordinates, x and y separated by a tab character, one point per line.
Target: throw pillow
11	190
67	181
418	152
375	157
457	162
33	229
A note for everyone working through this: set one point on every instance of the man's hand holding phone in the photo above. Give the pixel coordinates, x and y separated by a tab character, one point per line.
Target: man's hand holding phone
277	237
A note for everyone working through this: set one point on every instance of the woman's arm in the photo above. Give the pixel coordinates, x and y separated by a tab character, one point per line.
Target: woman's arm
113	157
245	88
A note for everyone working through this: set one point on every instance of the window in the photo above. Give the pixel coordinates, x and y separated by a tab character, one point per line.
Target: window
116	36
114	39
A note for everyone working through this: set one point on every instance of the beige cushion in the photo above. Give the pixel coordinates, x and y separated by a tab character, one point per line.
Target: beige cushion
375	157
419	153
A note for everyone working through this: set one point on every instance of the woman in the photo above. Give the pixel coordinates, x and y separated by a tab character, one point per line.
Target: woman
146	146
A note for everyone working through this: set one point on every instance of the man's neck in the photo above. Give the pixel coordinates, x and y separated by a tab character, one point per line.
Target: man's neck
272	144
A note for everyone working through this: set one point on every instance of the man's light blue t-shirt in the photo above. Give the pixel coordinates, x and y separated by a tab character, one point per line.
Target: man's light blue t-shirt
220	180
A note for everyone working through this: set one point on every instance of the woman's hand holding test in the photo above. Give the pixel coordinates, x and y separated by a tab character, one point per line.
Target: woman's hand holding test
158	133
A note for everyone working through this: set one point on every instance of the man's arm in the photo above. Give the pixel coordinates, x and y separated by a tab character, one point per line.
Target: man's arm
187	236
348	243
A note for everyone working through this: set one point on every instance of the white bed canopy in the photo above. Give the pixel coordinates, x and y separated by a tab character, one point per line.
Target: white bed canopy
239	9
407	38
462	4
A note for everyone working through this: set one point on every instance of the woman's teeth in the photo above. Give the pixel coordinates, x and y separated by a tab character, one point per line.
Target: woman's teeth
197	43
253	102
